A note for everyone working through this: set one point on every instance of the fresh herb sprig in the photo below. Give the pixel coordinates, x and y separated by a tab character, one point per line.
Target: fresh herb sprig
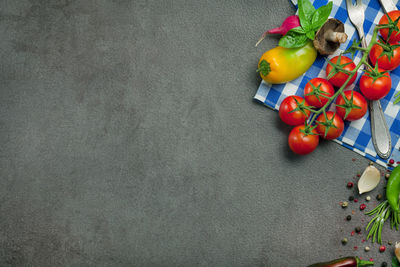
311	20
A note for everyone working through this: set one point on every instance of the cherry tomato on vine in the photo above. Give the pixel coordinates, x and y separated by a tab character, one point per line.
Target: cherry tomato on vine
380	56
351	110
394	37
340	77
374	90
292	110
332	125
317	91
302	143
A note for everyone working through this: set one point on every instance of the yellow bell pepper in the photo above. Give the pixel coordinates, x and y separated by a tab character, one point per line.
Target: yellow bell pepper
280	65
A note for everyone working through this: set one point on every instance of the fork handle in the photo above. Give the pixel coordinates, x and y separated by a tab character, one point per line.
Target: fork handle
379	129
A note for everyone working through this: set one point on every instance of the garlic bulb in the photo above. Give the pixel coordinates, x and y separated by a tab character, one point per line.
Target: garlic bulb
369	179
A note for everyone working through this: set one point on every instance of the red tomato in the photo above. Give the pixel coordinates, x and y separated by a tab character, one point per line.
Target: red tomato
375	90
394	37
375	55
293	118
301	144
339	78
325	89
332	131
355	113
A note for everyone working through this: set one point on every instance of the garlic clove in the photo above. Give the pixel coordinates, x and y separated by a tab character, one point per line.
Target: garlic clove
369	179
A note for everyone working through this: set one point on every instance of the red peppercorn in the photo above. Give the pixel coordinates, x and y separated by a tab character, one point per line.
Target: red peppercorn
382	248
362	207
391	161
356	200
350	185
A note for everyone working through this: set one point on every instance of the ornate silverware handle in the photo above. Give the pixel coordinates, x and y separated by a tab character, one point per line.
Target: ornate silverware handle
379	130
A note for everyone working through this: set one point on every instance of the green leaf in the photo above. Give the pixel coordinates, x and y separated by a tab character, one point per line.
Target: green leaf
306	12
298	30
395	262
310	34
321	15
293	39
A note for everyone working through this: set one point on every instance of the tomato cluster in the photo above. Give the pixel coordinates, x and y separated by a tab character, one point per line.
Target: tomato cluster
295	110
375	83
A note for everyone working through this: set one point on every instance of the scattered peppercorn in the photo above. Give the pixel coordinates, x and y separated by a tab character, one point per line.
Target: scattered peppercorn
358	229
366	249
350	185
351	198
389	243
348	217
387	175
384	264
382	248
355	200
368	198
358	175
362	207
391	161
371	163
344	241
378	197
345	204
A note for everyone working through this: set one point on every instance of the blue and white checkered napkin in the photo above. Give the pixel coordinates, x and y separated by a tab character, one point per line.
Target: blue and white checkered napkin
357	134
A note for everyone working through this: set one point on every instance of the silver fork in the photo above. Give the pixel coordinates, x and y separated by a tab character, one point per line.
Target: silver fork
379	129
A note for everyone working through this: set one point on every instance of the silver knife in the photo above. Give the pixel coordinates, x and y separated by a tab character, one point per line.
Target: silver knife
388	5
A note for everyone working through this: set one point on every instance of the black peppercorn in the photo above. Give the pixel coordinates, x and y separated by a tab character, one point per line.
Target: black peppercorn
384	264
351	198
379	197
348	217
358	229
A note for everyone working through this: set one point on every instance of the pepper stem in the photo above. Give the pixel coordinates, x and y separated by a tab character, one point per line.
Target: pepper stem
361	263
264	68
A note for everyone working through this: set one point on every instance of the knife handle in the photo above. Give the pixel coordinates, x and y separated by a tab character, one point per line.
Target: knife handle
379	128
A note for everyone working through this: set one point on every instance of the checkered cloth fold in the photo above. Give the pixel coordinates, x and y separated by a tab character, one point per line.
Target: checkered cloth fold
357	134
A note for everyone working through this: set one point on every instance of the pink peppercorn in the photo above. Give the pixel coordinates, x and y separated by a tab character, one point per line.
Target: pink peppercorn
362	207
350	185
391	161
382	248
356	200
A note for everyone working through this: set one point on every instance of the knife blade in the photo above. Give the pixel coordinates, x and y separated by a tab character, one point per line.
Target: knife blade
388	5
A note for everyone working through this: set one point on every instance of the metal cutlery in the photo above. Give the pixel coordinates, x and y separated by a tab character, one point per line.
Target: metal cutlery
379	129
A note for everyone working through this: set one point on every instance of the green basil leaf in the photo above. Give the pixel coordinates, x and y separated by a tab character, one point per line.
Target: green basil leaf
321	15
310	34
298	30
395	262
293	39
306	12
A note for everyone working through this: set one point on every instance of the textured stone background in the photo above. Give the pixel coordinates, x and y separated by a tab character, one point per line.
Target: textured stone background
129	138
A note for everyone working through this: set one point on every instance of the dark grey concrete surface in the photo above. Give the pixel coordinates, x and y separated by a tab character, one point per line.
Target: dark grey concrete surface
129	137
